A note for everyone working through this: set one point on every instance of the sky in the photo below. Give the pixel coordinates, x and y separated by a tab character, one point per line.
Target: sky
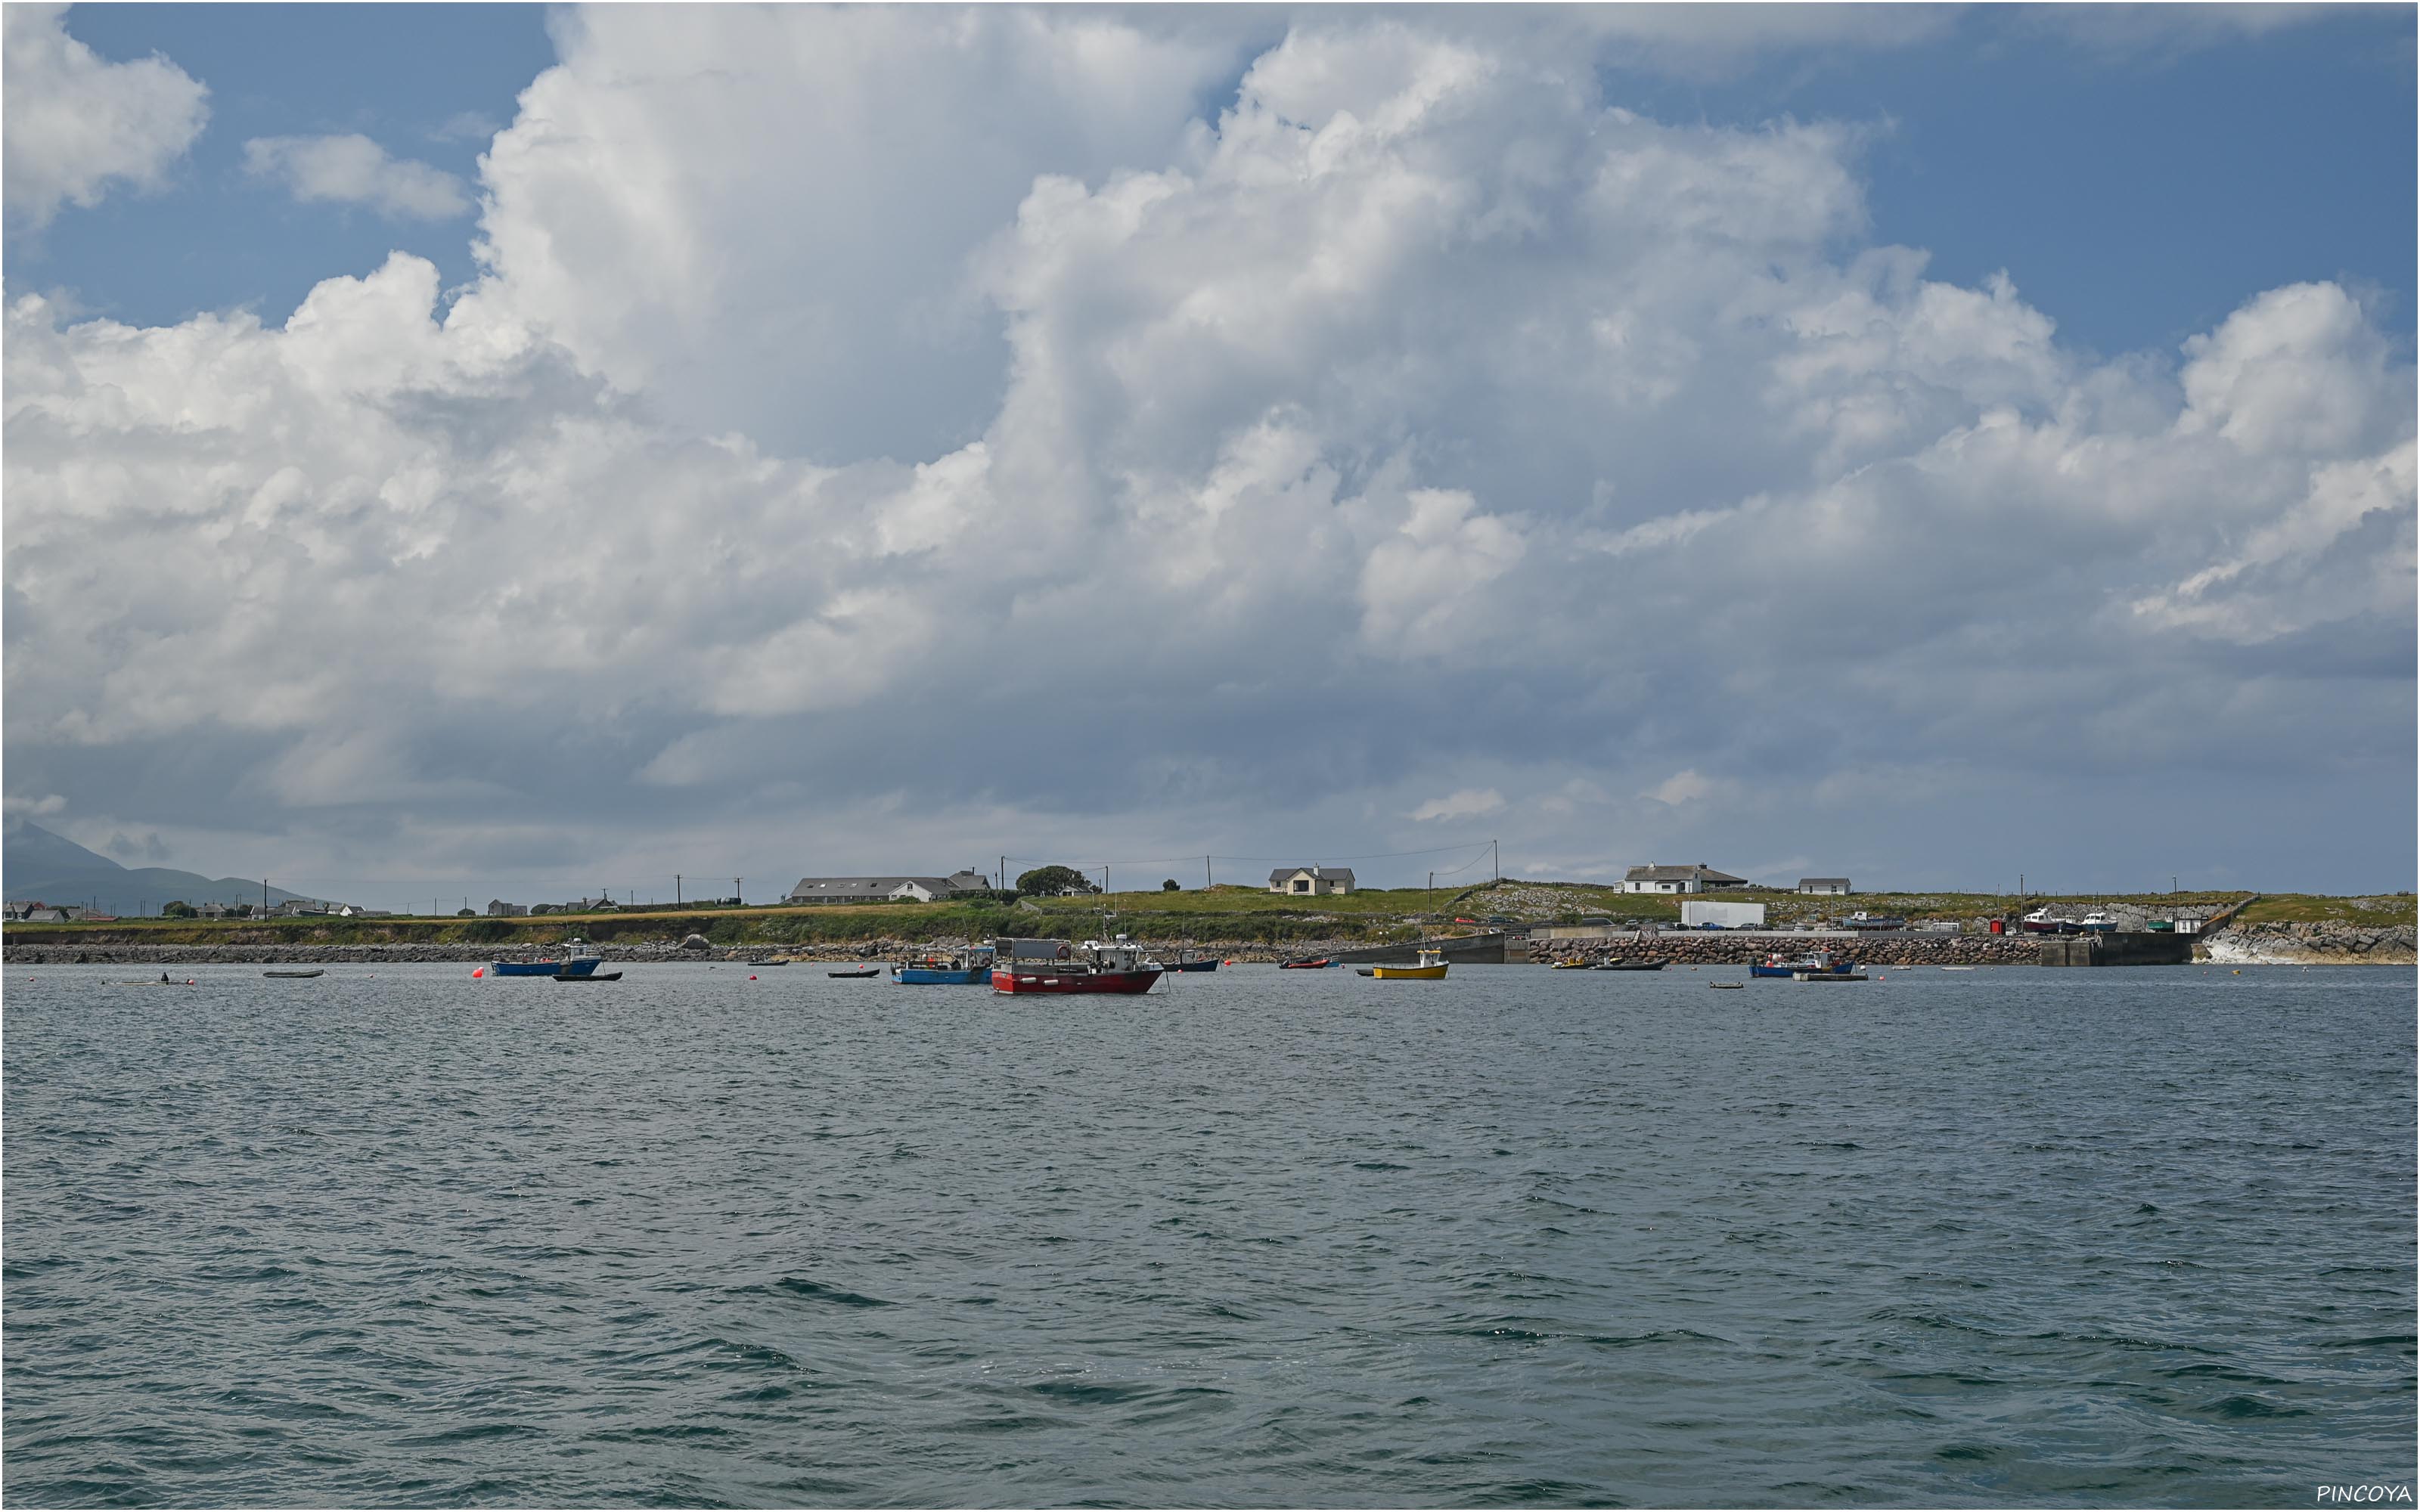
528	452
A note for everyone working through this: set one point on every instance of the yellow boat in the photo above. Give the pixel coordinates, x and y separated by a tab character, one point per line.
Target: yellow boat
1571	962
1432	969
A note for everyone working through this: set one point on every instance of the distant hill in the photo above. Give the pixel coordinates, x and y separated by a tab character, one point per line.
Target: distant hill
37	864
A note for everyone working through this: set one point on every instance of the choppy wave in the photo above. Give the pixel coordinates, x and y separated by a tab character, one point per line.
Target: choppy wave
2074	1238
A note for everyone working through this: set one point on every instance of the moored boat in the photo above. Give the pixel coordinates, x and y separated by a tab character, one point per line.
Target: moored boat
1210	964
2097	923
1631	965
1319	965
578	964
1814	960
1061	967
315	971
967	969
1431	967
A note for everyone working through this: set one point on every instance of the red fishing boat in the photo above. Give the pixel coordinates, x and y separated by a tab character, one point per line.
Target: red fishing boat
1058	967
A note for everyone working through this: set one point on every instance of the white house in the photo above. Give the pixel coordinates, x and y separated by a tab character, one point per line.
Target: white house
1831	886
1698	878
865	889
1312	881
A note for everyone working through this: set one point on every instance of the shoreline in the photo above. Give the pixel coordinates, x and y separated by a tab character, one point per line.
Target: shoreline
1679	950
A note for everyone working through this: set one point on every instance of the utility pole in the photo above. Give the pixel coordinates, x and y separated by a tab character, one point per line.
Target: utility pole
1206	874
1498	847
1105	879
676	889
1432	892
735	890
264	895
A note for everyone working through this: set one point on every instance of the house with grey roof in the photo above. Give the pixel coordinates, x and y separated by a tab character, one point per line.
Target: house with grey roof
1312	881
886	890
1698	878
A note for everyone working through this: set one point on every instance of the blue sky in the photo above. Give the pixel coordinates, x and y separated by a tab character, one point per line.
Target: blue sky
886	438
2110	181
414	77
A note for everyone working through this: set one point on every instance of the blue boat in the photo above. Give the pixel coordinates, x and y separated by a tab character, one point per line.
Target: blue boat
577	964
1210	964
577	967
1817	961
969	970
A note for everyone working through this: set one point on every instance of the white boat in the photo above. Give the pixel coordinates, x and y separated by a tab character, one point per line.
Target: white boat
2097	923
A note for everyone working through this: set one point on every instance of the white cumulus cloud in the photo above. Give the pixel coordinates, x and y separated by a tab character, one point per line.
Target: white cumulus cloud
76	123
351	169
1086	459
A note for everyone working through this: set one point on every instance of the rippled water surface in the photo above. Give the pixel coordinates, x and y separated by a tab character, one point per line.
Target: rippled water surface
394	1236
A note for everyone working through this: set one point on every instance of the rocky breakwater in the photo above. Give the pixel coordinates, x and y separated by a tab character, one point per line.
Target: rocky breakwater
1713	949
2326	942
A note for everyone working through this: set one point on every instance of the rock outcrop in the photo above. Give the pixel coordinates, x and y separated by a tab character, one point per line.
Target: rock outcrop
2328	942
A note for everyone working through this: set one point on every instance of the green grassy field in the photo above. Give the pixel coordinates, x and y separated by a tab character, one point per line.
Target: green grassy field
2382	911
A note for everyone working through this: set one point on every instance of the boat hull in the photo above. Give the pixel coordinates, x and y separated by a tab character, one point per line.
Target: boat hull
1304	965
578	967
1210	964
1064	982
940	976
1409	973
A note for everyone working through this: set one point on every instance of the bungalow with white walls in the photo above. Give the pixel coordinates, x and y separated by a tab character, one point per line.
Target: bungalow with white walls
1312	881
1698	878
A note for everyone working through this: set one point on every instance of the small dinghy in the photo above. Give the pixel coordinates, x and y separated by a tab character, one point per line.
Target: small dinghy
315	971
870	971
1728	986
588	976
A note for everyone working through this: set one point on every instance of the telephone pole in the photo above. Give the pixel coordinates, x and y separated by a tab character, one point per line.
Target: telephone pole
1496	849
676	889
735	890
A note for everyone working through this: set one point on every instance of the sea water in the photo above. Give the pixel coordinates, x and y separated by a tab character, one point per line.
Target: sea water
755	1236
